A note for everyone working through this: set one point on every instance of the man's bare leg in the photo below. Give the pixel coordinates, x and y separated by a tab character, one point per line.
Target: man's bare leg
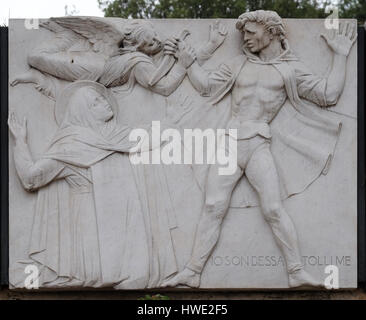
262	174
218	196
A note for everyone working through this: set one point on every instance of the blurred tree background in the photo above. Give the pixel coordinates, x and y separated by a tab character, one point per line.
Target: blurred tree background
230	8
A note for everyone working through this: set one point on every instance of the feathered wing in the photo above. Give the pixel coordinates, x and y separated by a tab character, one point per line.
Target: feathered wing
102	35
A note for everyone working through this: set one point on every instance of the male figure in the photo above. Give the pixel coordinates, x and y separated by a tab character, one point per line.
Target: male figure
260	82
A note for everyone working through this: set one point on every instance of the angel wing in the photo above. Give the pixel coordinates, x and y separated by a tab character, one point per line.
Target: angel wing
103	36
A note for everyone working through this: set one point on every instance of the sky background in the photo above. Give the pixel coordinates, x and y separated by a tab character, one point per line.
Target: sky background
46	8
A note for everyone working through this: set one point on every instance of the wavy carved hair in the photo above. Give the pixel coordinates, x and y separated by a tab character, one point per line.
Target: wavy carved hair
270	19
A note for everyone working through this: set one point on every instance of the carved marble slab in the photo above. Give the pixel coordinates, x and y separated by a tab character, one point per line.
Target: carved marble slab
83	214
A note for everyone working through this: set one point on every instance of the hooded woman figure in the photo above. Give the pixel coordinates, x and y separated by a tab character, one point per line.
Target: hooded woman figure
85	232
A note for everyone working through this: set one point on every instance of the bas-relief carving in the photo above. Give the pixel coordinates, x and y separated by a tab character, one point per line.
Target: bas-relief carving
71	234
100	221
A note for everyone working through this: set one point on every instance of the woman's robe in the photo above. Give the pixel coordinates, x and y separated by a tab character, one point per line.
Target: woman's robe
84	232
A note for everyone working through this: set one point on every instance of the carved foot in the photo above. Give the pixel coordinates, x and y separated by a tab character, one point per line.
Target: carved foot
187	278
28	77
301	278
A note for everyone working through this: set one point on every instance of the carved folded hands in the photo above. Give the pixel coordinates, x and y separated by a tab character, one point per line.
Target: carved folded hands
185	54
342	39
17	128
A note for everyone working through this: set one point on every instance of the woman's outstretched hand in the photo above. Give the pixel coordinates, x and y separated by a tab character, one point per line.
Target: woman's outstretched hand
18	129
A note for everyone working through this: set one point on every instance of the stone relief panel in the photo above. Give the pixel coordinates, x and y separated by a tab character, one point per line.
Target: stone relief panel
107	188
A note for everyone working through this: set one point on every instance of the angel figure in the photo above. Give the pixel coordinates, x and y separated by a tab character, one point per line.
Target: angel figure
96	49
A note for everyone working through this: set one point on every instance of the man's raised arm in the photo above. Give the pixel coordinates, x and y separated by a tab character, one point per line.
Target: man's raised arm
325	92
341	44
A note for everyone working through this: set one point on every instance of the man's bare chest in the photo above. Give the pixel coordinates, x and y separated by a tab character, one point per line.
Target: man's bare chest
259	76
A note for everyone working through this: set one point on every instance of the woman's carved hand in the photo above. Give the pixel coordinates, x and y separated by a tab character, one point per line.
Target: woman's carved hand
18	130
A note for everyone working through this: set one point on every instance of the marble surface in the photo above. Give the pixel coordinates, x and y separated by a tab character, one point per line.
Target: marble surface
138	229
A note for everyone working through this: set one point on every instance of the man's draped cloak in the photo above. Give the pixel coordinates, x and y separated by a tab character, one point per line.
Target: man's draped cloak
304	136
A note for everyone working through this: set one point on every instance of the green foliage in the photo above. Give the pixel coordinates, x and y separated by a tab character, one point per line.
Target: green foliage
291	8
136	9
353	9
154	297
199	9
228	8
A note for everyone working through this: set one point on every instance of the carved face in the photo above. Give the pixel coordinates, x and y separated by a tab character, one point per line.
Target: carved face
256	37
152	43
100	108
